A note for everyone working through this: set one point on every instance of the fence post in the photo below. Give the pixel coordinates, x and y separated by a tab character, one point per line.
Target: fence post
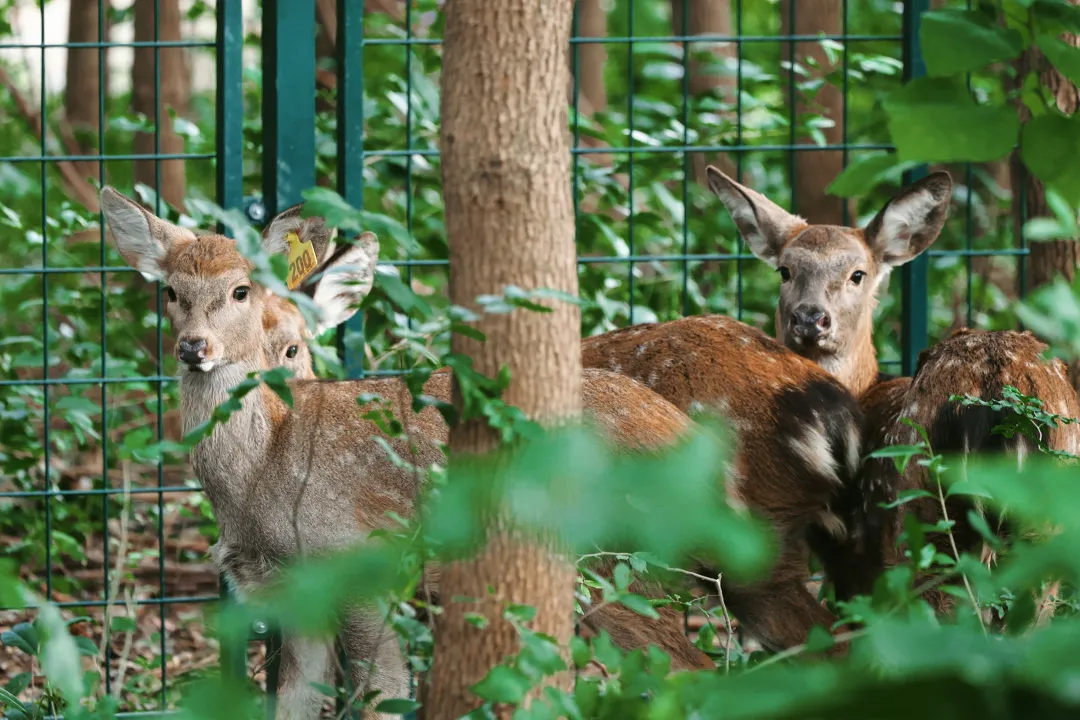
914	299
350	149
230	187
288	110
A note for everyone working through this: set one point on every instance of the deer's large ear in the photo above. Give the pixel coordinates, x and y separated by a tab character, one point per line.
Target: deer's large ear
142	238
911	221
764	225
311	229
345	281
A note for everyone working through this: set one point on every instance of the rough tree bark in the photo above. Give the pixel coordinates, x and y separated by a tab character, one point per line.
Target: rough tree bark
509	217
815	169
1054	257
591	23
707	17
175	91
82	91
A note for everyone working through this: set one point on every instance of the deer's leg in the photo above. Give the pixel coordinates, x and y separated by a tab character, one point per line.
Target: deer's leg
368	639
303	661
779	610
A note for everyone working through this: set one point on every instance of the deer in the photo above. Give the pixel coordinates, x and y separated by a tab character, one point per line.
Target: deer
275	497
800	443
830	279
798	455
653	424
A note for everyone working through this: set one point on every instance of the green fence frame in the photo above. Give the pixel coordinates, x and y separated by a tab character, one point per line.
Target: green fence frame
288	44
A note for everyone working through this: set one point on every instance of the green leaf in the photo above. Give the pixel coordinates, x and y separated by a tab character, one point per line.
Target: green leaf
864	174
1064	56
11	701
397	706
23	637
1044	141
86	646
503	685
936	120
819	640
622	576
959	41
639	605
580	652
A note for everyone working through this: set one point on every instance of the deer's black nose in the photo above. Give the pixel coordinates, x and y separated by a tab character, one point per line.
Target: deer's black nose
809	322
191	351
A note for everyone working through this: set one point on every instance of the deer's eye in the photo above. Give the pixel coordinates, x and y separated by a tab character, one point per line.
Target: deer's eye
785	274
240	294
291	352
857	276
170	293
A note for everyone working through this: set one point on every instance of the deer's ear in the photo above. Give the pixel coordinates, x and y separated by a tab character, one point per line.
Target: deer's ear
345	281
142	238
911	221
313	230
764	225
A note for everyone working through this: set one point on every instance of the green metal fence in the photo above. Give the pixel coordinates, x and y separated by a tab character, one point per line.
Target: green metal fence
653	242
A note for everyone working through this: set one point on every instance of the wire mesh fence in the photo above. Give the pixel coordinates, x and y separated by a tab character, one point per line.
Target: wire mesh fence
184	102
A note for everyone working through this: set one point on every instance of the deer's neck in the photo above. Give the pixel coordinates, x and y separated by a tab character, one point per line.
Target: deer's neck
227	461
858	368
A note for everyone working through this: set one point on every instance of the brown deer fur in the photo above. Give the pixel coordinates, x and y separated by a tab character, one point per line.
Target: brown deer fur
836	273
630	416
798	435
286	481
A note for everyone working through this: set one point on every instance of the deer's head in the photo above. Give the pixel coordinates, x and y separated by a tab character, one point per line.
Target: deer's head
830	275
217	311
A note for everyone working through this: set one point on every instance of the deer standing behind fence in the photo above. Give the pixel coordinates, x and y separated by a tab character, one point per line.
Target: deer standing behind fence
797	431
830	280
288	481
631	416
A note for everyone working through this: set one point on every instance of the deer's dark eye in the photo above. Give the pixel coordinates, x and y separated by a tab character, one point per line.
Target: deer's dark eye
240	294
291	352
785	274
170	293
857	276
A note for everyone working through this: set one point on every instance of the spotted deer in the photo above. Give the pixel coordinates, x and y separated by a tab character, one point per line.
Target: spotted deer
285	494
282	481
830	278
651	424
797	431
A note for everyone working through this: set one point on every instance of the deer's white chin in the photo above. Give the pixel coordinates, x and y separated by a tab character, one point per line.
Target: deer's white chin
206	366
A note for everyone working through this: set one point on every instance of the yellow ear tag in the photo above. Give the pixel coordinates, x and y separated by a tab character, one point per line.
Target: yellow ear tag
302	259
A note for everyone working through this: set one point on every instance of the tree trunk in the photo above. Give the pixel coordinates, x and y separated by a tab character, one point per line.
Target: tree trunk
174	93
707	17
82	92
815	169
509	217
591	23
1055	257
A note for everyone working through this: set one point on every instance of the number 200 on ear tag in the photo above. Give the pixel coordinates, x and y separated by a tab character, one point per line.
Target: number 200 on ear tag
302	259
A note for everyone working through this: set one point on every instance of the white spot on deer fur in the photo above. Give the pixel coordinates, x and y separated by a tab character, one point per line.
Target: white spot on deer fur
832	524
854	449
910	410
653	377
614	365
639	350
695	407
813	448
745	340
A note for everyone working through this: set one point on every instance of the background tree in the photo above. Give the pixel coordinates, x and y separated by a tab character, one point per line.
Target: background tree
82	91
172	97
714	75
1049	258
815	169
510	220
